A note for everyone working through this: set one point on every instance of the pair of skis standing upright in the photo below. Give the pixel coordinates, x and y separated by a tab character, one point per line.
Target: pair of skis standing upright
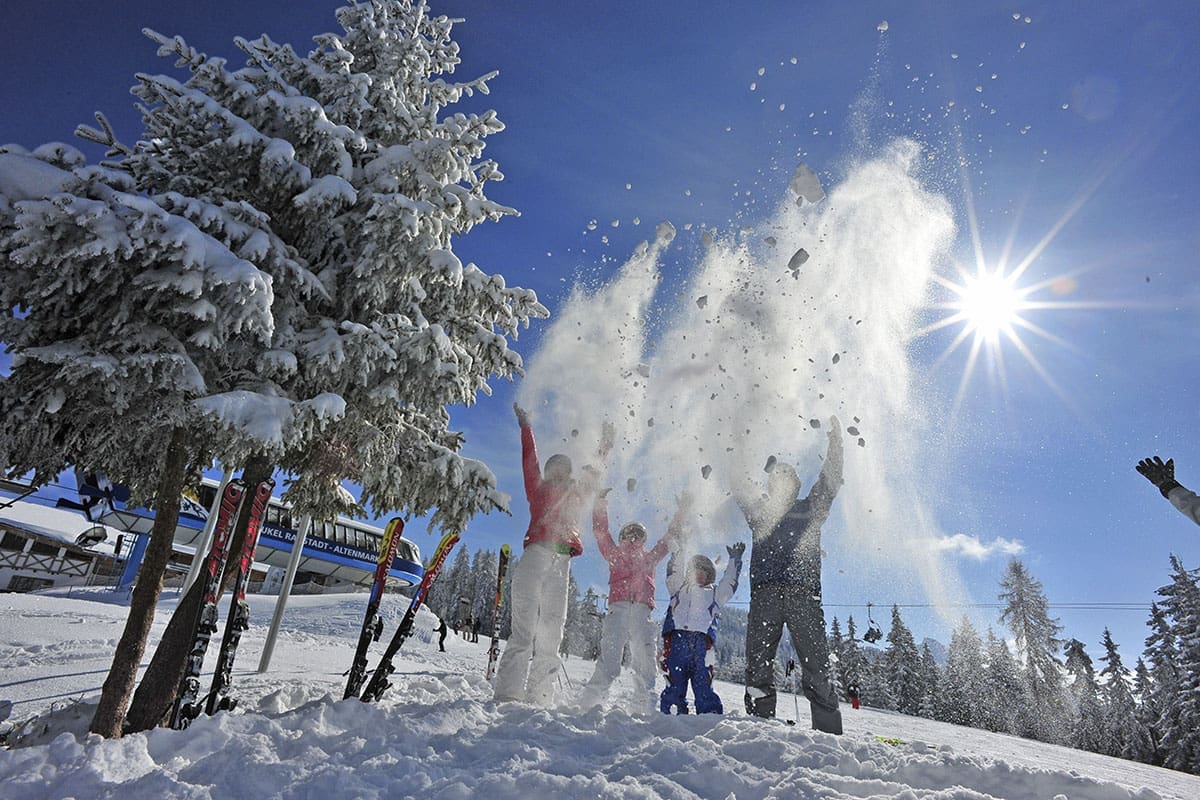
372	626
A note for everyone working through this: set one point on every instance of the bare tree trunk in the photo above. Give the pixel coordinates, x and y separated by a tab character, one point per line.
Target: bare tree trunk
156	692
118	686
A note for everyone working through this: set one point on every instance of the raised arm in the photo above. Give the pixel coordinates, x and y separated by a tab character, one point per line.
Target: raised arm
676	573
827	485
729	581
600	529
1162	475
529	457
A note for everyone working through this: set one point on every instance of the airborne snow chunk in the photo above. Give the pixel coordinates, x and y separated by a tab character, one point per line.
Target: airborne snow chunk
853	431
816	423
882	26
705	471
665	232
797	261
630	485
702	301
706	239
806	185
770	464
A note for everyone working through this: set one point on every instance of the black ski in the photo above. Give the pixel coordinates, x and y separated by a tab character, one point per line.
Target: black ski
372	627
379	680
239	613
494	649
188	704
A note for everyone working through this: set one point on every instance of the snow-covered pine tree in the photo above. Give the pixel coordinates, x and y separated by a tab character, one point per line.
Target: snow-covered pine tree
117	311
875	688
351	178
1162	651
574	624
1181	730
591	623
350	161
458	585
483	578
506	601
902	664
1026	612
836	647
1144	740
1086	723
961	694
1119	707
931	678
1004	689
853	661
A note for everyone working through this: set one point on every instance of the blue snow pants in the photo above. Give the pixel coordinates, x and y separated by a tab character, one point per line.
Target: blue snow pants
685	656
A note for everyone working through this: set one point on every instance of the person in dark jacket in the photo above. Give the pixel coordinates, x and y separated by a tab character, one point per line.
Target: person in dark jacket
441	630
1162	475
785	586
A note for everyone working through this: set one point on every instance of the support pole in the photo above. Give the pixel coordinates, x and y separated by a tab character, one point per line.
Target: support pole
210	526
284	591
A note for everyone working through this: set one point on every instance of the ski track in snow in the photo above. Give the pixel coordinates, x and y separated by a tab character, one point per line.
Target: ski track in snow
438	734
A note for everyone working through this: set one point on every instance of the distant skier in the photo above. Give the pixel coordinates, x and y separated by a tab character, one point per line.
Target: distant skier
475	630
630	601
690	628
852	694
530	663
441	630
1162	475
785	586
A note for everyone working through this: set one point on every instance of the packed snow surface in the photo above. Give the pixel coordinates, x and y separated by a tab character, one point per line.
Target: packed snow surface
438	734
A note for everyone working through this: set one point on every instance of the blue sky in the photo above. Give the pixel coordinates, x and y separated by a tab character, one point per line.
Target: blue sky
1066	130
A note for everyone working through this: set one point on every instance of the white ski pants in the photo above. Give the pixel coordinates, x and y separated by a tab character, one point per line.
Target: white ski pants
529	667
629	623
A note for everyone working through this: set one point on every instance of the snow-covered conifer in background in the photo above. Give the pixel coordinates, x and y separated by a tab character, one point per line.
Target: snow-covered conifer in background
1144	740
1180	726
931	678
836	654
902	662
1026	612
1086	723
1004	690
961	695
1118	718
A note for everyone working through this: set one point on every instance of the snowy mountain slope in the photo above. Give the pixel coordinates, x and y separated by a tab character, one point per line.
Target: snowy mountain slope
437	732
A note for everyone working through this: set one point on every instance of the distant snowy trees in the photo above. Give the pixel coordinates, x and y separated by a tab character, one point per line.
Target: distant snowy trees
1150	714
266	277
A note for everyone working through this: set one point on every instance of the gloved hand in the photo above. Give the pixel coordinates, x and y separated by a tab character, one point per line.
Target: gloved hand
735	550
522	415
1160	474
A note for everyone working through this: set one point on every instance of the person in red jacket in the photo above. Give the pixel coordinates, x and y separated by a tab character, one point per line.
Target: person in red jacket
630	602
529	666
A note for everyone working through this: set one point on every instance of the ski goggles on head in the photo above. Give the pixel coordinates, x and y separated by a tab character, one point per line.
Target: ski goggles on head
633	532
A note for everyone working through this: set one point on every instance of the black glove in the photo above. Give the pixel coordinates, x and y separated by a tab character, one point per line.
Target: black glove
1160	474
735	550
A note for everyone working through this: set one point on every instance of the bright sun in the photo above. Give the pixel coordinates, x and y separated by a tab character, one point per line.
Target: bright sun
990	308
989	304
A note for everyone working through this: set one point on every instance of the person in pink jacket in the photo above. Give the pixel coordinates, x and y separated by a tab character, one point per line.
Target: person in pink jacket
630	602
528	669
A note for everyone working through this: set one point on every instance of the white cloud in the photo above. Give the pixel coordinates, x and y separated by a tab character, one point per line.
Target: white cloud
979	550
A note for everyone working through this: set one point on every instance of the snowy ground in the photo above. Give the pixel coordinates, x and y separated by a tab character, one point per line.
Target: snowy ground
437	732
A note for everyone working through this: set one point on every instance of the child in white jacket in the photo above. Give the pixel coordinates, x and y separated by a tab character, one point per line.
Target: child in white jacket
690	628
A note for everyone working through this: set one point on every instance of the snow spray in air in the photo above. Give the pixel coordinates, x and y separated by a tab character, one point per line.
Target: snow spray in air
806	316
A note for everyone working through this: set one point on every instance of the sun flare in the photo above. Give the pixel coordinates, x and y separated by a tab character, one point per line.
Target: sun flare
989	304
